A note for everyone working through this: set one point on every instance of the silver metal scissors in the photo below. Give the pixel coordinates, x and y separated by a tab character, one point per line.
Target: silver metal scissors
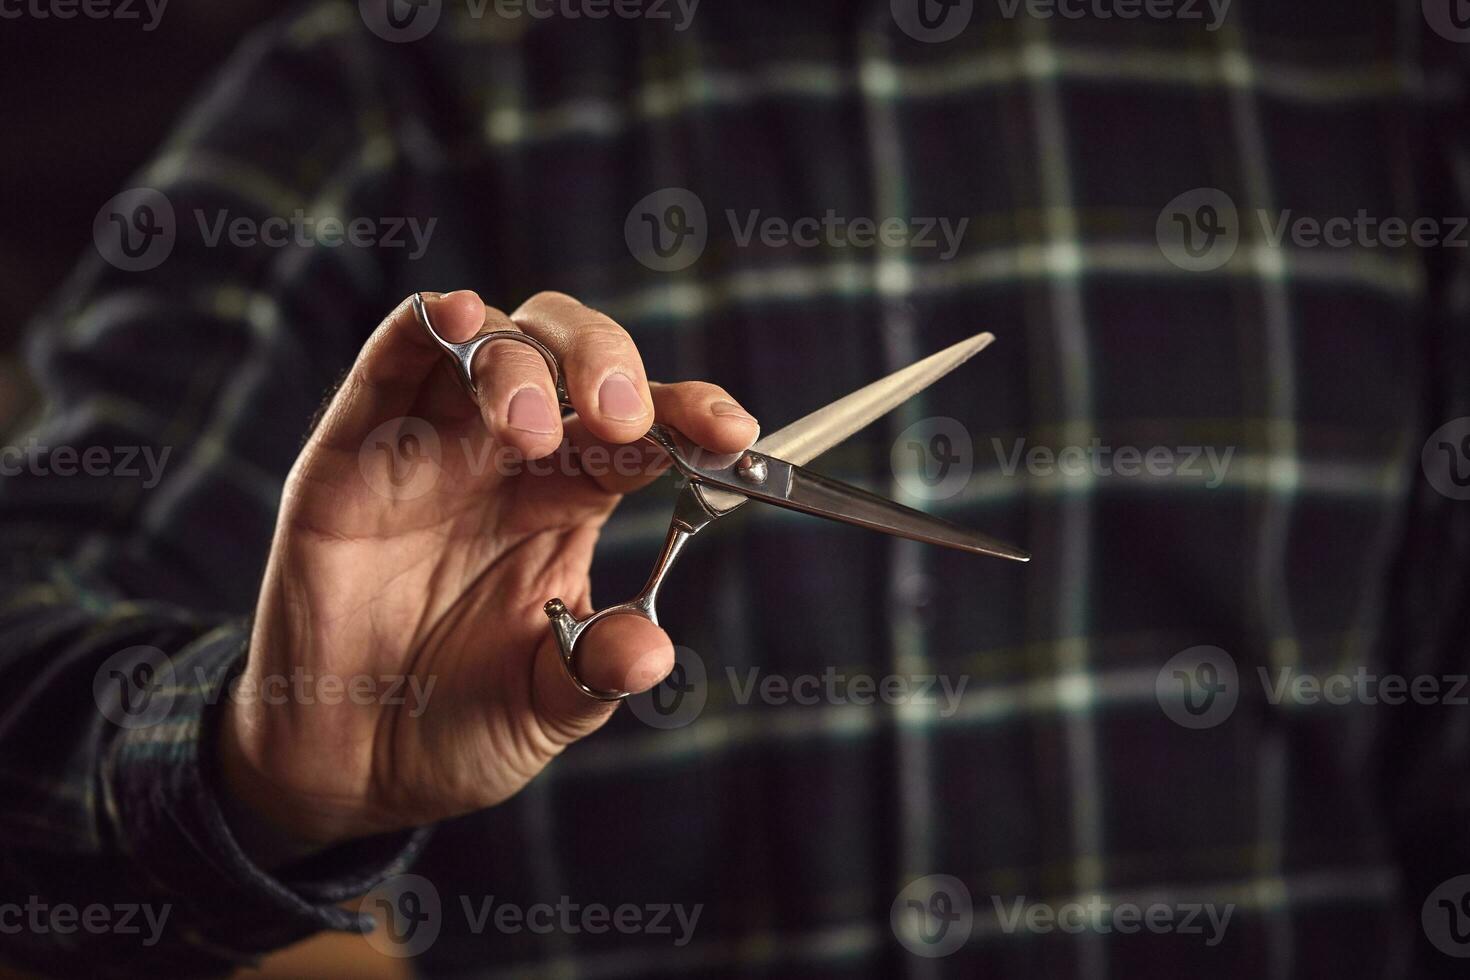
715	485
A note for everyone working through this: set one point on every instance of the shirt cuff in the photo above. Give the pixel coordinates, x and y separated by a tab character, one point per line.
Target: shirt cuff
159	782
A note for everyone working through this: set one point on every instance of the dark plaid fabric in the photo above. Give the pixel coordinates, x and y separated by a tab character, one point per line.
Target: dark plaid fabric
794	828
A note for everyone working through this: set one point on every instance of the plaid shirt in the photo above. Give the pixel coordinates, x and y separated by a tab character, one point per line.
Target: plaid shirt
1074	769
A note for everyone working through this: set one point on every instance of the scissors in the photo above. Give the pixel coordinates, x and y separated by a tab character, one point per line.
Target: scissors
771	471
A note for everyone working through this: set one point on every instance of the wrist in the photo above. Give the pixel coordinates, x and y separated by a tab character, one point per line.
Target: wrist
257	812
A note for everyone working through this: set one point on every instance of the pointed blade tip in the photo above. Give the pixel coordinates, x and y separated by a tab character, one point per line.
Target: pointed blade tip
1005	551
974	345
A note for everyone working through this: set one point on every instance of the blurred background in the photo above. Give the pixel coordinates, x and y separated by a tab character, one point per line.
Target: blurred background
99	98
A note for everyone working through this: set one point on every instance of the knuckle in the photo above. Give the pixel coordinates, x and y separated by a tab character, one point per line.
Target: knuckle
602	335
550	297
511	361
703	391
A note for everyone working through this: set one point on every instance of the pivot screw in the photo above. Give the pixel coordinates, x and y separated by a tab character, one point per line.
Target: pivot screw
751	468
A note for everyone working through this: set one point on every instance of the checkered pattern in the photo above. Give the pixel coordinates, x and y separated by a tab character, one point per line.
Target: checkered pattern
1059	777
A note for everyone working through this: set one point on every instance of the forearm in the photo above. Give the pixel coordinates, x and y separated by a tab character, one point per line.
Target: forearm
113	807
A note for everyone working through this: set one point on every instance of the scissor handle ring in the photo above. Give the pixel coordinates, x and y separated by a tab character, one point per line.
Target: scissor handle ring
569	629
463	354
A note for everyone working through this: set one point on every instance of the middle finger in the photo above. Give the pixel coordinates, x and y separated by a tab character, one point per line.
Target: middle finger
603	369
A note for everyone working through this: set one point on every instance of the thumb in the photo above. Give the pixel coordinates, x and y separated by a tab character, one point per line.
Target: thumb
620	653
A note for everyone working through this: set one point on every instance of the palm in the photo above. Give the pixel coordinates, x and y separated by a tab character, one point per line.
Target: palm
444	586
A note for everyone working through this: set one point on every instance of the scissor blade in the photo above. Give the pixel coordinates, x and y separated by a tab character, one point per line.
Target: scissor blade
811	435
755	476
812	493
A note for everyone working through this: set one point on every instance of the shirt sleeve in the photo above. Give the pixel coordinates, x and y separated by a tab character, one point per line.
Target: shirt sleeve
180	367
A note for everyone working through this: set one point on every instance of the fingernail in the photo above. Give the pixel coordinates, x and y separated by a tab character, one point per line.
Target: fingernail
530	412
618	399
730	410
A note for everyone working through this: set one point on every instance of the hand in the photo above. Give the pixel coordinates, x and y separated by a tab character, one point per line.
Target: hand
444	582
